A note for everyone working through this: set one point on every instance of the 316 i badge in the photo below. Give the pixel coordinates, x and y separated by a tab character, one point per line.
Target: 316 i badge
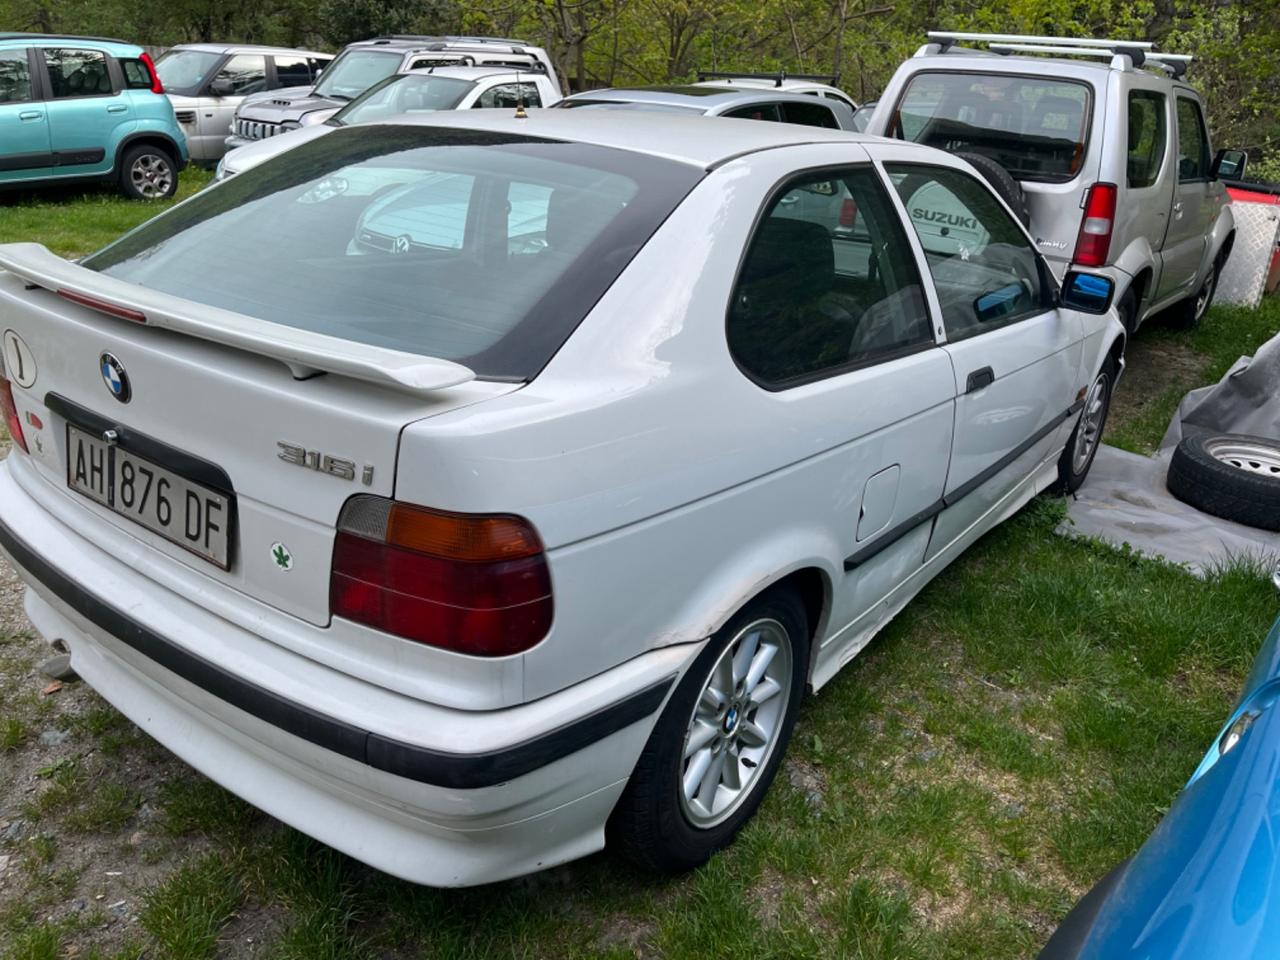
322	462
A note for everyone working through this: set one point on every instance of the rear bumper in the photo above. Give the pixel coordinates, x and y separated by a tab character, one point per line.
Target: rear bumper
478	797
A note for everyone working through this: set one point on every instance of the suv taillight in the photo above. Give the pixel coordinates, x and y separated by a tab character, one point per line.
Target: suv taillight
10	410
473	583
1094	240
156	85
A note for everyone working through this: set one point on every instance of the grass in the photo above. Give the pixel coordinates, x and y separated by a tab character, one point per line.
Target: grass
1013	734
74	221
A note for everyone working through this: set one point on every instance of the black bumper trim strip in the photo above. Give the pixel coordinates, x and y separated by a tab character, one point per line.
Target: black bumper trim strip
894	534
433	767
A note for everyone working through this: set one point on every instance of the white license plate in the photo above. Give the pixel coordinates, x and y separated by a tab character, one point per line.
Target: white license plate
184	512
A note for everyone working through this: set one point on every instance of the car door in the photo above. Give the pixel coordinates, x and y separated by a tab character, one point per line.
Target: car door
1150	174
830	321
1187	238
86	106
247	73
24	121
1015	356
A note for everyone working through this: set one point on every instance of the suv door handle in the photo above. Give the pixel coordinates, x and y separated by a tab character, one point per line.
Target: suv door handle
30	115
979	379
117	108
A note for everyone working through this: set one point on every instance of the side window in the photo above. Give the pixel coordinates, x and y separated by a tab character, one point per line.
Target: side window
1193	142
78	73
810	115
1146	137
136	76
829	283
757	111
247	73
292	71
508	95
528	212
985	270
15	77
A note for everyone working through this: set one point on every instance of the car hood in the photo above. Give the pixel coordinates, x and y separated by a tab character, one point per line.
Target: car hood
252	154
1210	873
277	106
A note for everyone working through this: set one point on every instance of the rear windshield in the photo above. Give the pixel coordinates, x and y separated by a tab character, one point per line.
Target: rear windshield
403	93
1035	127
483	248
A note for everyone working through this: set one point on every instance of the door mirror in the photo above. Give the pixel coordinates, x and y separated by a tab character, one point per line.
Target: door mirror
222	88
997	304
1087	292
1230	164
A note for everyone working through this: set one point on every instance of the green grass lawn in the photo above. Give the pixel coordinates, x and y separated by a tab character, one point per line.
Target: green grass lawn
75	221
1017	731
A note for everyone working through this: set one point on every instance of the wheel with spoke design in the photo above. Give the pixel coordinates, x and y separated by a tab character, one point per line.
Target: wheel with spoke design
718	743
1083	444
148	173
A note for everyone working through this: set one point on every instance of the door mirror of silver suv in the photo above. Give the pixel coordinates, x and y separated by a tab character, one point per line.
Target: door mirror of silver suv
1230	164
1087	292
222	88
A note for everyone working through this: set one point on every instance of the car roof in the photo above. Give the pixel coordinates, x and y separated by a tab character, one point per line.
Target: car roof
967	59
697	140
404	42
782	84
116	48
246	48
698	97
473	73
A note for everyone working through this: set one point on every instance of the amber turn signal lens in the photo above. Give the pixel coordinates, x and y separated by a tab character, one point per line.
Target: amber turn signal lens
454	536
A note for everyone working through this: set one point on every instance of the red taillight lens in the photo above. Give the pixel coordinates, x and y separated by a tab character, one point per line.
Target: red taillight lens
10	410
475	584
1093	243
156	85
848	212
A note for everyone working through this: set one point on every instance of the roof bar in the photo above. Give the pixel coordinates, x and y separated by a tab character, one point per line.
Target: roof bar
1137	53
948	38
777	78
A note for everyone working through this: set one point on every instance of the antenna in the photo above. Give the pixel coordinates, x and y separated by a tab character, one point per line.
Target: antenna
520	111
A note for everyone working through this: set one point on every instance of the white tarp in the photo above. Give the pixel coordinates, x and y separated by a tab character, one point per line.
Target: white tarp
1125	499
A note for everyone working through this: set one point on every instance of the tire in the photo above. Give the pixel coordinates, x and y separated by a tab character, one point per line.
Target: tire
148	173
1229	475
1082	446
1128	310
656	824
1003	183
1187	314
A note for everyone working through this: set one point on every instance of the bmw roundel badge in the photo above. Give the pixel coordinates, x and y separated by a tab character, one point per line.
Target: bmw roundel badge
115	378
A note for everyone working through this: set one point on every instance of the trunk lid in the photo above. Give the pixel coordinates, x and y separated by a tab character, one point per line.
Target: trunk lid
206	401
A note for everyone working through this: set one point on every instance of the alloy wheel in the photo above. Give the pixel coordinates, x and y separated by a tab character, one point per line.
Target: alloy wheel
1089	432
152	176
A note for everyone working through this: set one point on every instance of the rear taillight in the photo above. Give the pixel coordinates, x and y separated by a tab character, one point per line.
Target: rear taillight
156	85
10	410
848	212
477	584
1094	241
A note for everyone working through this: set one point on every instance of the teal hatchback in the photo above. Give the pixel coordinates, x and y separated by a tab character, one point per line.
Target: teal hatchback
85	108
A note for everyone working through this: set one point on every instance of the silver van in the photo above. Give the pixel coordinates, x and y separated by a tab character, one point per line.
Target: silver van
206	82
1101	147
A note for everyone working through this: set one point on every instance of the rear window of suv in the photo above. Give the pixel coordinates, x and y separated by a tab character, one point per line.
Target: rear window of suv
1035	127
483	248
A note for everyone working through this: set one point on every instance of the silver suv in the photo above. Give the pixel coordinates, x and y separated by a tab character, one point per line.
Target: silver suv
360	65
1100	146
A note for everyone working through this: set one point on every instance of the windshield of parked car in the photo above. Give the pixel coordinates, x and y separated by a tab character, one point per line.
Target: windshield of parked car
1035	127
480	247
185	71
403	93
354	72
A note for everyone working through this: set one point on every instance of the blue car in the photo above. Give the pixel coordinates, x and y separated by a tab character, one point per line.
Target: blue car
82	108
1206	884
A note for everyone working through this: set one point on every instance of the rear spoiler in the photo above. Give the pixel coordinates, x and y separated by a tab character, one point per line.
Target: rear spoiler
304	352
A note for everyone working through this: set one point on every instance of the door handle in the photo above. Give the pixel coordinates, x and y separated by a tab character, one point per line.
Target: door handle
30	115
117	108
979	379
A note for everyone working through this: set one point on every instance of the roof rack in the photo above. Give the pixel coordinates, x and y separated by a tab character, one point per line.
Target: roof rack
451	39
777	78
1139	52
62	36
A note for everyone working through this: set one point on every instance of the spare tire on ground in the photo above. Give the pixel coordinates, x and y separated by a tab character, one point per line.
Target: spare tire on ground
1229	475
1002	182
